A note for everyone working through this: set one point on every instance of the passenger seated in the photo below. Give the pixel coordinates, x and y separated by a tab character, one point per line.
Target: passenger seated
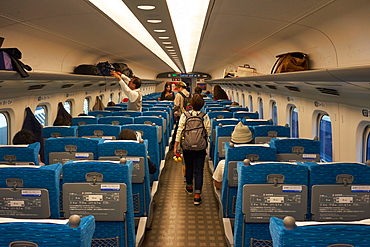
240	135
111	103
24	137
129	134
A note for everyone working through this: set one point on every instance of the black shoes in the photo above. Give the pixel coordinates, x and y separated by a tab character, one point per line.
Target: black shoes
189	190
197	201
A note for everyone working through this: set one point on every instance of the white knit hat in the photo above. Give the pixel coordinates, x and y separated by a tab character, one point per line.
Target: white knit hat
241	134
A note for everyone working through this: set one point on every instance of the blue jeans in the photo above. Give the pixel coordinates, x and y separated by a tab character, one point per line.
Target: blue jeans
194	163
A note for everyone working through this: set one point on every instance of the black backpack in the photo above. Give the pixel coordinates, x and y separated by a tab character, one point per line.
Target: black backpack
187	105
105	68
87	69
194	134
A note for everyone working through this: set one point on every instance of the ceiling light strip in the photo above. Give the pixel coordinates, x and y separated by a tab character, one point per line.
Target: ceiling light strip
188	18
121	14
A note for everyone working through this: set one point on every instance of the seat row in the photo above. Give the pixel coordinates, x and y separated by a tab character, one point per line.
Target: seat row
114	192
323	192
100	192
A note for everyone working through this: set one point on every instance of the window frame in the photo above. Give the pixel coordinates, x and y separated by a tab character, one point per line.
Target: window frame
43	106
320	116
8	122
366	144
70	102
273	112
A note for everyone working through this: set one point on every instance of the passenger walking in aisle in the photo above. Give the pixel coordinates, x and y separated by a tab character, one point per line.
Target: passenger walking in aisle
167	93
194	160
179	107
240	135
198	90
131	87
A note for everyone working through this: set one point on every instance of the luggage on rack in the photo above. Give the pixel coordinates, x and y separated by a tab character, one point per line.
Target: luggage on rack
289	62
87	69
105	68
15	55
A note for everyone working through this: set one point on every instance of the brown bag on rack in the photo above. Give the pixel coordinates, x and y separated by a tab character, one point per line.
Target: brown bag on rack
289	62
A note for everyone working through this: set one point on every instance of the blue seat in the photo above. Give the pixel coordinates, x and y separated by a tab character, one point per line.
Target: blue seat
238	108
116	120
35	177
99	113
296	149
218	122
64	149
340	234
224	102
114	108
127	113
213	108
20	154
162	129
165	103
151	133
246	115
264	133
252	122
219	114
253	152
167	119
56	233
168	109
99	131
267	189
59	131
334	181
109	150
83	120
222	135
86	184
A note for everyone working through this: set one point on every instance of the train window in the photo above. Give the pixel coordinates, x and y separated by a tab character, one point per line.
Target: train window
68	106
273	111
101	97
119	98
367	144
260	108
86	105
293	122
250	103
111	97
236	98
4	130
325	136
41	114
243	100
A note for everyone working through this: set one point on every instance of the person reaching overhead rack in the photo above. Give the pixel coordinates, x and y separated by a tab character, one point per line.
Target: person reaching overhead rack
131	87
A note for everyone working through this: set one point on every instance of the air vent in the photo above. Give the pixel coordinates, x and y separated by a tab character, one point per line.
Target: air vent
35	87
257	86
291	88
271	87
101	84
113	84
87	85
247	85
328	91
67	85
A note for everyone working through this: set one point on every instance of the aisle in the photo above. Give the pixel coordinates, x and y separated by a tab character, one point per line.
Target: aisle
176	221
